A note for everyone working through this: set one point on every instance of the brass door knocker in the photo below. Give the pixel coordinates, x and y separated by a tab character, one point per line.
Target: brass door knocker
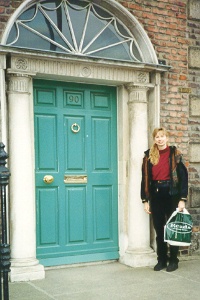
75	128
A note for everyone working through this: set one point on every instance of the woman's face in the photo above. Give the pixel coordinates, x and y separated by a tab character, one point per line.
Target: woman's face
161	140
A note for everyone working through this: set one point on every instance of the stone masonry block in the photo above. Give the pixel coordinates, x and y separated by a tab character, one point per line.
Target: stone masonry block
194	106
194	9
194	193
194	153
195	241
194	57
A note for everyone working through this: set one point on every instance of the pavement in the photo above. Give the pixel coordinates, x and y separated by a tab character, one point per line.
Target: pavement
113	281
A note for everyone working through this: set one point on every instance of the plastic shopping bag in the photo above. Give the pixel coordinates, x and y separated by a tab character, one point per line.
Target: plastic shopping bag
178	229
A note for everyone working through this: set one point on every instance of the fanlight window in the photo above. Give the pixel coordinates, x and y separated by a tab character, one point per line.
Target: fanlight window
74	27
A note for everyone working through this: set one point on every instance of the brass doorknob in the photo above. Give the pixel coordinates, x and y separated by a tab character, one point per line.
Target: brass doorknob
48	179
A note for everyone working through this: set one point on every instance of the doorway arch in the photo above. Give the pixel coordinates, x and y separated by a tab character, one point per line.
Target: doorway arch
113	19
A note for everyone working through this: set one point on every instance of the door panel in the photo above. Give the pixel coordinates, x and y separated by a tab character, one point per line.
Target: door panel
103	211
75	201
101	143
45	126
76	144
48	198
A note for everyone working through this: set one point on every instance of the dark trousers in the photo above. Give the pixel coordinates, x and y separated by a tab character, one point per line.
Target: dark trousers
162	206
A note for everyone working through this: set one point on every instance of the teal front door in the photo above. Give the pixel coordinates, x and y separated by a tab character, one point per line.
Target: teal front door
76	172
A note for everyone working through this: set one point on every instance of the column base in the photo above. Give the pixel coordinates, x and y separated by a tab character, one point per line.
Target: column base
26	271
139	258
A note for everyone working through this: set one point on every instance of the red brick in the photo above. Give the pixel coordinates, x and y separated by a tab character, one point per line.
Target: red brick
152	28
125	3
183	77
160	11
172	7
5	3
135	6
149	16
182	41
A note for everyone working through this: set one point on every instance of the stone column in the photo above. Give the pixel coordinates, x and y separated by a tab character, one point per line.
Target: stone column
24	265
3	110
139	252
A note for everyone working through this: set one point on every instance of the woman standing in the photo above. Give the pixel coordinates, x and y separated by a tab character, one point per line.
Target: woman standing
164	187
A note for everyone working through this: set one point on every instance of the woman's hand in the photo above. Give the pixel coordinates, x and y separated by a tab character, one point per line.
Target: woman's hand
147	207
181	205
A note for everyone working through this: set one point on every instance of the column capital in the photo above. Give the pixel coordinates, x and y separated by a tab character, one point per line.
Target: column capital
137	93
20	73
19	82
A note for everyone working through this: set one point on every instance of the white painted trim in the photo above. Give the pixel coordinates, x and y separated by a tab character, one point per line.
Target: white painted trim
97	73
3	109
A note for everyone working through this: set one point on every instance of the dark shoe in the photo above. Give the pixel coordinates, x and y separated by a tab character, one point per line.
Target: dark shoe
172	267
160	265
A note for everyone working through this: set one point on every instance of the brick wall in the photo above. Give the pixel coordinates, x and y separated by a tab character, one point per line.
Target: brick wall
165	22
174	29
7	7
193	35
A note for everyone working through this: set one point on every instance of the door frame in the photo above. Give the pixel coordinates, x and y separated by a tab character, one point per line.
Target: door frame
25	66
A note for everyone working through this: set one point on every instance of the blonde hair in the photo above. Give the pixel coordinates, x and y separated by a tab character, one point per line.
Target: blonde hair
154	152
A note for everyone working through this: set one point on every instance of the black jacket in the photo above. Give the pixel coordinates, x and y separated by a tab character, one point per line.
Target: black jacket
178	176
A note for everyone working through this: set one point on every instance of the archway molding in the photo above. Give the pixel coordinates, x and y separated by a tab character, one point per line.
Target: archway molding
121	13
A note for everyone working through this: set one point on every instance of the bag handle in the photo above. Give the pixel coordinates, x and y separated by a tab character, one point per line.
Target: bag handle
185	211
